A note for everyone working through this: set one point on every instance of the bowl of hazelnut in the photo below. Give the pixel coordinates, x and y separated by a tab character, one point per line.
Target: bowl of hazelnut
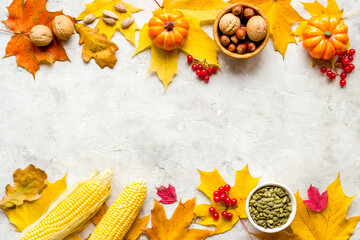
241	30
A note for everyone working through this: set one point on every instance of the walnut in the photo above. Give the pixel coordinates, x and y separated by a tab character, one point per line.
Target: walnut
229	23
63	27
256	28
41	35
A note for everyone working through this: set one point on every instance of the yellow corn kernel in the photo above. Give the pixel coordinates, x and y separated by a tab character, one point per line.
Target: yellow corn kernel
122	213
72	209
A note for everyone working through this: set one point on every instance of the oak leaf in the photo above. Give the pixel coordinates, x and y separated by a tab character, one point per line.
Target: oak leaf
98	6
330	224
210	182
177	227
23	15
316	9
135	230
28	186
316	201
167	194
198	44
96	46
27	213
281	16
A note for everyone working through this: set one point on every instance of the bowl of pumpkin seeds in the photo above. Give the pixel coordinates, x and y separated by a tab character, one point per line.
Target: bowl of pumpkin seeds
271	207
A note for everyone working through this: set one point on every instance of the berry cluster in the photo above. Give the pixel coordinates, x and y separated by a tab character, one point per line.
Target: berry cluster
221	195
202	69
344	63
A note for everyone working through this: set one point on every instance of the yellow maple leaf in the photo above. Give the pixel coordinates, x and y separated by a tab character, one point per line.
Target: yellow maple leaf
281	16
28	186
96	46
98	6
210	181
330	224
177	227
198	43
26	214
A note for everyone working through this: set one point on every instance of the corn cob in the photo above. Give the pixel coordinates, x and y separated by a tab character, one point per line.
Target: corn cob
122	213
70	211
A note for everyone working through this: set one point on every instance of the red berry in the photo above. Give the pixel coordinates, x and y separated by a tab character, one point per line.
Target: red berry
203	72
200	67
229	215
347	69
227	187
352	66
224	214
323	69
345	52
212	210
194	67
214	69
351	58
209	71
216	193
352	52
216	216
333	76
223	196
216	199
343	75
345	61
342	82
227	200
328	74
198	72
190	58
201	77
233	201
221	190
206	78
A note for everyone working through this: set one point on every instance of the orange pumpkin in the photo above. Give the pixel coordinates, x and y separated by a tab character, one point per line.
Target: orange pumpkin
325	36
168	29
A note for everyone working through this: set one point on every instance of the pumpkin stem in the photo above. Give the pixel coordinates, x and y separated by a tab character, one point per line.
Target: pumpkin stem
169	26
327	34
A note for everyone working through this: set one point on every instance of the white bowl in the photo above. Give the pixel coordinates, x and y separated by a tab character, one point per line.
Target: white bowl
292	214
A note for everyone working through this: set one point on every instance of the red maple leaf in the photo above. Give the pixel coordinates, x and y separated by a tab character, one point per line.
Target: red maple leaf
167	194
316	201
22	17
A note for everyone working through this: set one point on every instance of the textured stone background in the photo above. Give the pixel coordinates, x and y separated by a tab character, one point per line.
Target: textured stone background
283	118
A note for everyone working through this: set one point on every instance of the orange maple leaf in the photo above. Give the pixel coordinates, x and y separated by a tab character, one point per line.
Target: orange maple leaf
23	15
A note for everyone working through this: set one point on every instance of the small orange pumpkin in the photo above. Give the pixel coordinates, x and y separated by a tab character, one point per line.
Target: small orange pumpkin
168	29
325	36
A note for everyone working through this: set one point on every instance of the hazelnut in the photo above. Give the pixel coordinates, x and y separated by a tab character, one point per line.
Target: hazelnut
251	47
240	34
41	35
243	26
229	23
256	28
241	48
234	40
63	27
225	40
249	13
232	47
237	10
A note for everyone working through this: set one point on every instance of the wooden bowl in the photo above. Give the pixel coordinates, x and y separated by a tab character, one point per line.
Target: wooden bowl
216	32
